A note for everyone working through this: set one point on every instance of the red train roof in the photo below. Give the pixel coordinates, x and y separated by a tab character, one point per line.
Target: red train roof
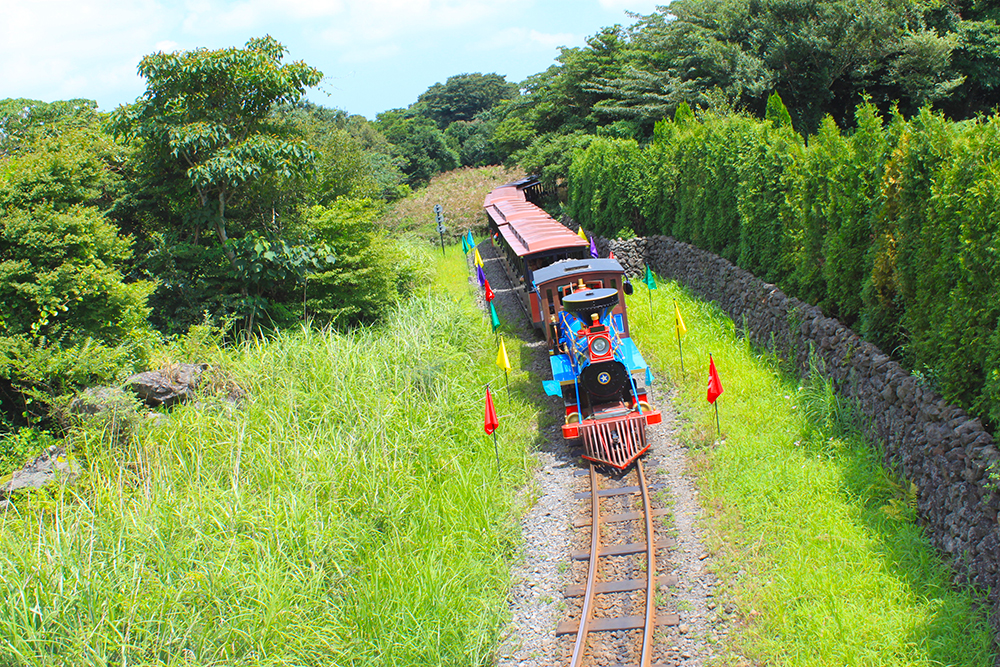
527	228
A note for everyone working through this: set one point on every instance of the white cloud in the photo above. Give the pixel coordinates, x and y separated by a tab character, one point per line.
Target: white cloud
637	6
526	39
58	49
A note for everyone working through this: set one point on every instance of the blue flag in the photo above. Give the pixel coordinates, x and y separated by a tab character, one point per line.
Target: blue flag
593	248
480	276
471	241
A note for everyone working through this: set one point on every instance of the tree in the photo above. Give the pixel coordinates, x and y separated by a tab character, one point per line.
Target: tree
206	113
463	97
353	158
422	145
23	122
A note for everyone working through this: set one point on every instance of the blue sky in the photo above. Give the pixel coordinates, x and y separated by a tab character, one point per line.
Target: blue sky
375	54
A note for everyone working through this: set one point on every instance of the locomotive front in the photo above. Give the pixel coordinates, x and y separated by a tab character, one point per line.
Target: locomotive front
596	368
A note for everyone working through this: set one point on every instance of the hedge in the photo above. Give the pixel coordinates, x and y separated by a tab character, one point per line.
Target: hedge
892	227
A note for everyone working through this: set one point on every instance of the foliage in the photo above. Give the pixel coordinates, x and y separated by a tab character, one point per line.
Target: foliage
473	141
276	533
206	114
816	542
423	148
364	283
24	122
463	97
607	182
549	156
889	227
69	318
352	158
60	162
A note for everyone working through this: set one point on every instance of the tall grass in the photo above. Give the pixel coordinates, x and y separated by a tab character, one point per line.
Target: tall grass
817	542
349	513
460	193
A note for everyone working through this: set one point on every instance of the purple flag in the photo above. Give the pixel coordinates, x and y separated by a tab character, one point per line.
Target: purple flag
593	248
481	276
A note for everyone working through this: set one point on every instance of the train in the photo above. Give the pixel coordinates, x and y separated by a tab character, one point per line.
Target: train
577	302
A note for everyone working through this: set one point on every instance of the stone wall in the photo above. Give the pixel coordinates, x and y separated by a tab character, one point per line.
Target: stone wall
934	444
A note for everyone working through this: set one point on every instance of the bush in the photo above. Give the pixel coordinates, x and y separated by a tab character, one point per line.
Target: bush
892	228
369	272
604	193
69	317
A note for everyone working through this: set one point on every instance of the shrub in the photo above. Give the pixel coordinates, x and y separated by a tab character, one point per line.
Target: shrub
604	192
364	282
69	317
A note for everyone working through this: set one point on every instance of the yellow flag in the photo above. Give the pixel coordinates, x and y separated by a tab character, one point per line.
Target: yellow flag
502	360
581	234
681	329
478	259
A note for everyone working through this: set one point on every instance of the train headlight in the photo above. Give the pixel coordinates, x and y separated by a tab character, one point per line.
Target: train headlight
599	346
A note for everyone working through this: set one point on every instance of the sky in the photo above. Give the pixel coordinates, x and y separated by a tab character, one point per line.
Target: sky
375	54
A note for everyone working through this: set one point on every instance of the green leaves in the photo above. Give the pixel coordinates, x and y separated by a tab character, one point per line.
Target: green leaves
262	260
209	112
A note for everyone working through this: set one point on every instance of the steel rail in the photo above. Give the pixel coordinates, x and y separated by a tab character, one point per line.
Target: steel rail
595	549
650	622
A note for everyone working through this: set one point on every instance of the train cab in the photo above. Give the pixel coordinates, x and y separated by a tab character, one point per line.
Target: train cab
596	367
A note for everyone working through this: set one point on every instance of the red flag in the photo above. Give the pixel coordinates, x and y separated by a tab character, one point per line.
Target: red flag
489	292
611	255
714	383
491	422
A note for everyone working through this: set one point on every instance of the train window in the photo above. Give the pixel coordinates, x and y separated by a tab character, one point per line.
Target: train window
614	284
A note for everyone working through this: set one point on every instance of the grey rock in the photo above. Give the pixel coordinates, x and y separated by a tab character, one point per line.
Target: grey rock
95	400
167	387
50	467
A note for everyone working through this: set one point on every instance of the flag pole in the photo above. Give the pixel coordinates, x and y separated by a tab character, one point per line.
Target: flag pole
677	329
496	449
718	430
506	382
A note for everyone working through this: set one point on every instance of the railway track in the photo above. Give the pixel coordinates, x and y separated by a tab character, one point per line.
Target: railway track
545	602
605	590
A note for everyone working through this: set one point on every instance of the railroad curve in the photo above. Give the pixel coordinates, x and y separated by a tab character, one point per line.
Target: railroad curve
538	596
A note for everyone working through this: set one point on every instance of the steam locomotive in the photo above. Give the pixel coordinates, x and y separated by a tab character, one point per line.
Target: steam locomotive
578	303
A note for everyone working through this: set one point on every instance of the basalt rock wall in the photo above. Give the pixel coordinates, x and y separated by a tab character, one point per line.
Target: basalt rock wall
935	445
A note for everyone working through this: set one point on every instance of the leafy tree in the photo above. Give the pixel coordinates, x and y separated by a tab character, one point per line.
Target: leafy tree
69	318
512	134
23	122
206	113
353	159
551	155
463	97
473	141
362	285
422	146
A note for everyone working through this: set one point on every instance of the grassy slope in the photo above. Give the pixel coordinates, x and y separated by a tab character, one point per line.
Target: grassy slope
459	192
817	541
350	513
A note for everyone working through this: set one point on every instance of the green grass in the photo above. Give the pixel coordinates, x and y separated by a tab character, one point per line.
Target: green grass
460	193
350	513
817	541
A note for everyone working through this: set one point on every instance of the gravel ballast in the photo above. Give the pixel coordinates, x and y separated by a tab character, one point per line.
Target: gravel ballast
536	598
